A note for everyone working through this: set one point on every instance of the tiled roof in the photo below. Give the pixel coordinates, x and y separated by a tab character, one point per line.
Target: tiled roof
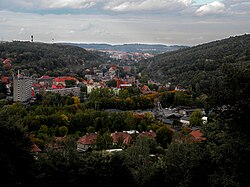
63	79
121	137
197	135
150	134
88	139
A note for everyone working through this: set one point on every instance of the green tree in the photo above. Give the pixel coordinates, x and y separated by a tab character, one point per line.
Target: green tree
111	83
70	83
138	160
63	130
196	118
103	141
228	136
164	136
15	155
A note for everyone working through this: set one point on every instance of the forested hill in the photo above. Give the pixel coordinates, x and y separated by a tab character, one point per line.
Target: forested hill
40	58
145	48
198	66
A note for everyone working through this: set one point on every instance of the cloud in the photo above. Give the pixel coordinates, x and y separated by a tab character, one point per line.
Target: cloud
215	7
47	4
147	5
238	7
76	4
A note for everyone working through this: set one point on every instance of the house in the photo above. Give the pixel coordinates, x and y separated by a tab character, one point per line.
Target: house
185	121
121	137
45	80
132	132
145	89
86	142
196	135
204	119
35	149
150	134
61	80
65	91
57	143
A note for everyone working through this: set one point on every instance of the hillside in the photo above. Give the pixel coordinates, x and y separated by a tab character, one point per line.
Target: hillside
41	58
199	66
146	48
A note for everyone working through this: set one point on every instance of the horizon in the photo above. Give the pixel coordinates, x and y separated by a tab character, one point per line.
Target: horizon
115	44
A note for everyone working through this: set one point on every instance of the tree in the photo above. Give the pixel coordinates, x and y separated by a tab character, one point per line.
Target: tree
196	118
103	141
111	83
138	160
3	88
70	83
164	136
182	165
15	155
228	141
63	130
76	100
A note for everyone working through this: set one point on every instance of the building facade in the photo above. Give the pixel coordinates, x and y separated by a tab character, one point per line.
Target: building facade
22	88
75	91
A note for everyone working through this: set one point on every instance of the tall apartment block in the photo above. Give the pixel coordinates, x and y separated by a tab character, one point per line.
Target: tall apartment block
22	88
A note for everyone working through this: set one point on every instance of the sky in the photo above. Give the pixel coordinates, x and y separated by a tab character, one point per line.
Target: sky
170	22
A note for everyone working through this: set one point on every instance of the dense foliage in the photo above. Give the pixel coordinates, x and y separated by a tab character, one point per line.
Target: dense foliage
198	67
41	58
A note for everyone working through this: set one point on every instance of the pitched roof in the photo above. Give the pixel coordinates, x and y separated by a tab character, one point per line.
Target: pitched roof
121	137
63	79
35	148
197	135
7	61
45	77
88	139
150	134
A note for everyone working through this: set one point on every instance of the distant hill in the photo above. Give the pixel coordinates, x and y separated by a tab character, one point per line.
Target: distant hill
146	48
197	67
40	58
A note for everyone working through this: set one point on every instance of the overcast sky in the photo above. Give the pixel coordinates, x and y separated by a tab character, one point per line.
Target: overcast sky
184	22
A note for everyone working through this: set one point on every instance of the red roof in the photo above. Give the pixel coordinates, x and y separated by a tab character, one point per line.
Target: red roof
59	86
88	139
145	88
63	79
7	61
36	85
197	135
54	86
35	148
4	79
7	65
57	144
121	137
150	134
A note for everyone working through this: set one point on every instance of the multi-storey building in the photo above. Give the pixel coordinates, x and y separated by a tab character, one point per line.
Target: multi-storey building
75	91
22	88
